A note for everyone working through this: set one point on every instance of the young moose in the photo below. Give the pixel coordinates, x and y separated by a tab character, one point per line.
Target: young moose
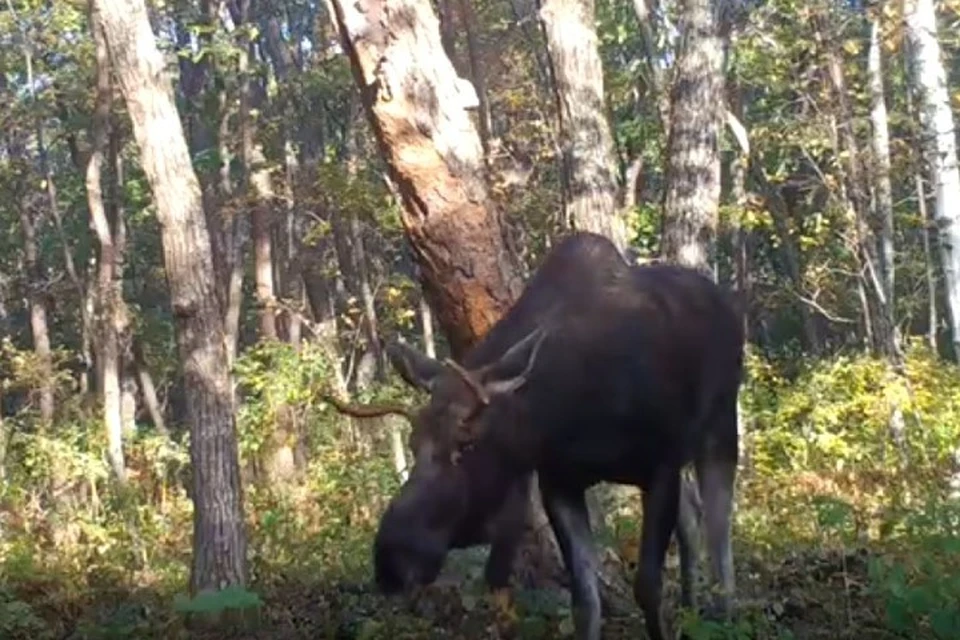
601	372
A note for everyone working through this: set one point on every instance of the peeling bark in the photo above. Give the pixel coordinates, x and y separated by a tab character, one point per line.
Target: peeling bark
418	110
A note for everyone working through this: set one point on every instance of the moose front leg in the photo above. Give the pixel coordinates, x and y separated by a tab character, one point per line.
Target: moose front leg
569	518
506	533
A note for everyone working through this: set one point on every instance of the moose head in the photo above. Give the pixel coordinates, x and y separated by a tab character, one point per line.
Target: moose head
468	450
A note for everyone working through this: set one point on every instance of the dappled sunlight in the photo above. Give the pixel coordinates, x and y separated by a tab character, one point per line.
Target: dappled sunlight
823	550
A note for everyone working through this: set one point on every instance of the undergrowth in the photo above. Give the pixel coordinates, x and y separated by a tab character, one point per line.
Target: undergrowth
845	527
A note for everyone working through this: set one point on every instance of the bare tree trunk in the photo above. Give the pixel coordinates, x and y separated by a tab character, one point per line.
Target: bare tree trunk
148	389
789	251
477	75
657	81
738	197
692	196
108	289
881	163
589	161
39	327
939	134
257	176
219	542
426	327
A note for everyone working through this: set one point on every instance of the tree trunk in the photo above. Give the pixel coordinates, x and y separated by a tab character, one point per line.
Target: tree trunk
39	327
939	134
476	74
108	290
881	163
417	108
692	196
219	542
148	389
261	201
589	162
426	328
656	82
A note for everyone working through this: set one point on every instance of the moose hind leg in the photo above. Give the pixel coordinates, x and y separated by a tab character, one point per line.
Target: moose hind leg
717	472
569	518
688	541
660	508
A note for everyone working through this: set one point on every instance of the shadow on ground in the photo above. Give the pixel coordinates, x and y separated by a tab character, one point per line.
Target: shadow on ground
806	595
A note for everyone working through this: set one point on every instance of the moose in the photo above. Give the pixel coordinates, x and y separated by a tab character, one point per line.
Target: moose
601	371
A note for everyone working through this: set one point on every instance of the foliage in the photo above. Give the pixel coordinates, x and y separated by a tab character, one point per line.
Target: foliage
834	535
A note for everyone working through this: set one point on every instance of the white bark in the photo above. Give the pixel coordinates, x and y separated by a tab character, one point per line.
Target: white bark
881	167
939	138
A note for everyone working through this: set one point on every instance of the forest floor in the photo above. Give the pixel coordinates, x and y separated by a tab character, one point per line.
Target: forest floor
801	574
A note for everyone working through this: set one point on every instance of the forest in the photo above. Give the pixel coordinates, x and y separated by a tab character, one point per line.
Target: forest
216	215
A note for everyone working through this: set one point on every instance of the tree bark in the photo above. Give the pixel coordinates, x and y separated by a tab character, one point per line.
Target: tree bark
39	326
939	134
692	196
417	107
110	317
219	543
881	163
589	161
260	202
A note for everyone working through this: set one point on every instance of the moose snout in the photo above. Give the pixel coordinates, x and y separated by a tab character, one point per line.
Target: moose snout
406	554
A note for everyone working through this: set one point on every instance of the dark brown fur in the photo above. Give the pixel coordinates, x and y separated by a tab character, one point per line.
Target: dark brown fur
601	372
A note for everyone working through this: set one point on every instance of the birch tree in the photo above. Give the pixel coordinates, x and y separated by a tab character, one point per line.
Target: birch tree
939	136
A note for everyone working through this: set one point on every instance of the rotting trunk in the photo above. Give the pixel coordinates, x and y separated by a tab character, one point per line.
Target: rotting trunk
586	142
939	133
692	195
219	543
107	290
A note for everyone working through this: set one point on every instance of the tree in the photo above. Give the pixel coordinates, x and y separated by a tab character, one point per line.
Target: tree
939	134
692	196
589	164
418	106
219	543
110	314
881	163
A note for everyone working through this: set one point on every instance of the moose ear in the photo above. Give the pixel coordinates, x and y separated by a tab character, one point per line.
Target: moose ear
416	369
510	372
